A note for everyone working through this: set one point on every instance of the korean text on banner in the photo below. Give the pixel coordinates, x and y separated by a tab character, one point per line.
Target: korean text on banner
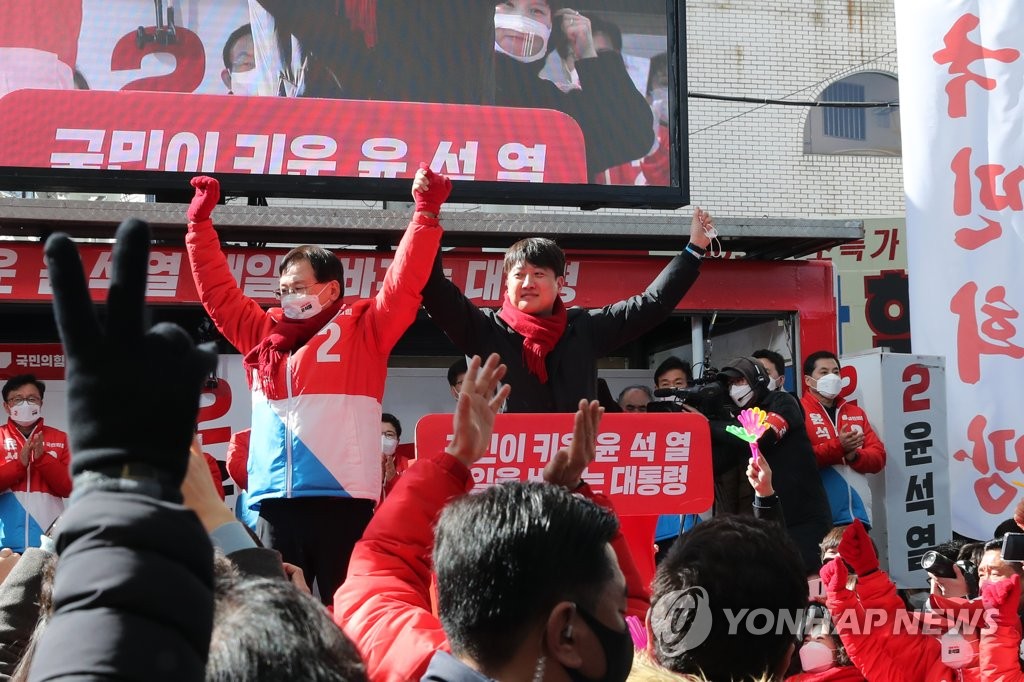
646	463
961	74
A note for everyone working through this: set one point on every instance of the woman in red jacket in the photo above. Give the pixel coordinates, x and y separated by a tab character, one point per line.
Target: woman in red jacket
822	655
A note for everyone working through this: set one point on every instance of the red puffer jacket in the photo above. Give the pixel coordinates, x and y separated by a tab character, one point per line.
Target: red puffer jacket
384	605
886	642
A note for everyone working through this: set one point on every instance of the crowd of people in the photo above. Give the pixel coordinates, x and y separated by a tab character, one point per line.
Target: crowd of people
148	575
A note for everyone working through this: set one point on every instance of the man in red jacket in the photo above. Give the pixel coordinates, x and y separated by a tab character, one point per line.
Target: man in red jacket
530	578
845	445
317	366
35	474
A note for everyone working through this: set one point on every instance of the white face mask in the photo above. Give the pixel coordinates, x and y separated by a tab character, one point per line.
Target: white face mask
25	414
245	82
772	384
534	31
741	394
815	657
829	386
957	652
388	445
301	306
659	103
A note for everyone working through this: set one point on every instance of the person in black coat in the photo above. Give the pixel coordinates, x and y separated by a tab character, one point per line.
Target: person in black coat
616	120
786	448
552	352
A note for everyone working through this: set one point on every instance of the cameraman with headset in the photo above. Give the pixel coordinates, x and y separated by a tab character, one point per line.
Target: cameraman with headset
784	445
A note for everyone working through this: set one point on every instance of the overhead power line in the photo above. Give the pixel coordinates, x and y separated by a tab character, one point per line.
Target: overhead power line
794	103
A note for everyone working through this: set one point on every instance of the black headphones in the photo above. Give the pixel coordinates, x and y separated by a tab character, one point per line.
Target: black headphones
753	371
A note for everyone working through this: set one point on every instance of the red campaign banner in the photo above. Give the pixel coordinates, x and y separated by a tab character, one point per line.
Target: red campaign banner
45	360
800	287
646	463
722	284
148	131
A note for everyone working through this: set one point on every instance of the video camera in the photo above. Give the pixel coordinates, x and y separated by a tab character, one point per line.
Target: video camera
707	395
942	567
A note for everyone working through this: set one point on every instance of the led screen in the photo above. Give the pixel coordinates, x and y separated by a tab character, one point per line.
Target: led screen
528	101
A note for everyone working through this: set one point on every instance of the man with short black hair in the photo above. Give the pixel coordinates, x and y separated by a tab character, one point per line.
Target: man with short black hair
776	366
845	446
673	373
266	629
730	562
239	74
35	474
456	373
317	368
552	351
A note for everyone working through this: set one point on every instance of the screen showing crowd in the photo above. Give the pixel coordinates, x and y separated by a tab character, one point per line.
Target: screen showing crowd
518	91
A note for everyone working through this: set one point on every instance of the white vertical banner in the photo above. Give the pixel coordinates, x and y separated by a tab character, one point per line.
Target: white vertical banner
961	78
904	397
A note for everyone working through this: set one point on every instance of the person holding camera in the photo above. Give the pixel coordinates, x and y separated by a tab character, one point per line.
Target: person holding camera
941	645
952	572
785	447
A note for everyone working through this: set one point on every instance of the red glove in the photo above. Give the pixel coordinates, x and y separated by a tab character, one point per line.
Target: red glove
656	166
1001	599
207	196
856	549
834	575
438	190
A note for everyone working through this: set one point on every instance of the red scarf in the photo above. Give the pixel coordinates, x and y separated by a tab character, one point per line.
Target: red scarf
540	334
286	336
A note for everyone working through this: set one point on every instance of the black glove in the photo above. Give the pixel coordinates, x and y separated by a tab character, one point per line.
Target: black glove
133	395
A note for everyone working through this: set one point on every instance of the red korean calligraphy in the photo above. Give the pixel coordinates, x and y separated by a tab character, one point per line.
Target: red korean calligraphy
959	53
995	494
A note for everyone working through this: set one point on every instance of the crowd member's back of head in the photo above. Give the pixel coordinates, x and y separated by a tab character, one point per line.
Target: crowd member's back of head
735	563
506	557
1007	526
265	630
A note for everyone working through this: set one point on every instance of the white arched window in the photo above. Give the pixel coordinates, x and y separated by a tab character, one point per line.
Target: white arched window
848	130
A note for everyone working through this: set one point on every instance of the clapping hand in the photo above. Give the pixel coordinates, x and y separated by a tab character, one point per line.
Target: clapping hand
567	466
479	401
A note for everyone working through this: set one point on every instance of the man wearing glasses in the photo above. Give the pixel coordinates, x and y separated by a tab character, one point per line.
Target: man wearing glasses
35	474
317	367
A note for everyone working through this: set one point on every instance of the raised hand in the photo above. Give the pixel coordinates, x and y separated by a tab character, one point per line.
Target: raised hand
206	198
856	549
430	190
478	402
578	33
1001	599
759	475
702	228
567	466
834	575
153	378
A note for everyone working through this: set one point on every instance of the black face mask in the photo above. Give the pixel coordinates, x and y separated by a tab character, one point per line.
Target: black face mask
618	652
